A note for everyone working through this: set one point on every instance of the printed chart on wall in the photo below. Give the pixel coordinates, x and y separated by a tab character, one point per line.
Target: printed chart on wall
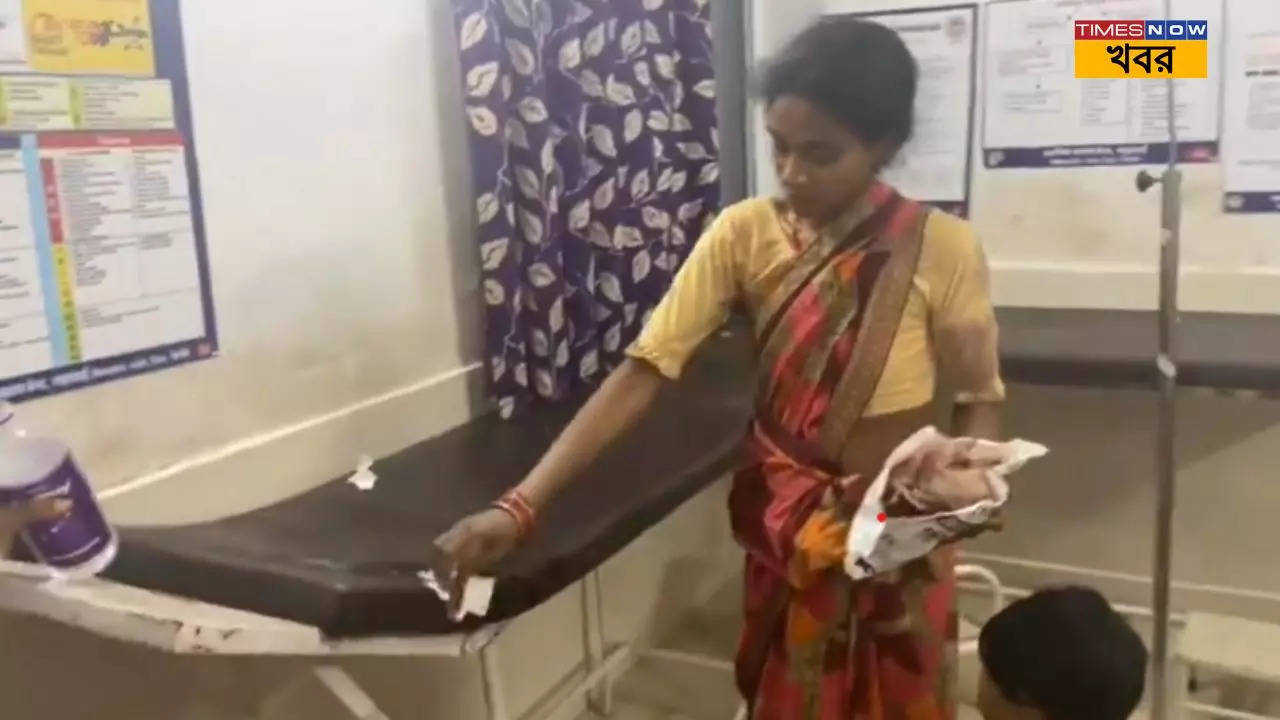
1038	114
1251	138
103	272
934	166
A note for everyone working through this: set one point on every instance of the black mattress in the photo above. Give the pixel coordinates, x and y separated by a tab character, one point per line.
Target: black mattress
347	561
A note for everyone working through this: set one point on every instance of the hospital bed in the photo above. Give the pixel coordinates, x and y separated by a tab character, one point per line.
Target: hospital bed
334	572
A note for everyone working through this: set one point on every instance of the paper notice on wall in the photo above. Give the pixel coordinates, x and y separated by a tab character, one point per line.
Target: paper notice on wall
13	37
1251	137
122	104
124	229
1038	114
90	36
25	345
933	167
103	270
35	102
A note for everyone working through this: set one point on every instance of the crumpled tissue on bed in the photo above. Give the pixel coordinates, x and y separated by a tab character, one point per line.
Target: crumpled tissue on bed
364	478
476	596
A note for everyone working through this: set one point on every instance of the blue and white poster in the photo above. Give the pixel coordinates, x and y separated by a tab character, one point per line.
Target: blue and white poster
103	268
1251	138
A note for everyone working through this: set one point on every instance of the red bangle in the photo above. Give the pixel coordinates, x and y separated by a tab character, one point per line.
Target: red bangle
515	504
514	514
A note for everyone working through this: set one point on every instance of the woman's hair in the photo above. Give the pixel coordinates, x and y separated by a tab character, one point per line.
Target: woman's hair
1066	653
858	71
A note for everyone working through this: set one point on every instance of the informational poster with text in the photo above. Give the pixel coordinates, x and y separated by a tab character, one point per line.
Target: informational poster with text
1039	114
103	265
1251	138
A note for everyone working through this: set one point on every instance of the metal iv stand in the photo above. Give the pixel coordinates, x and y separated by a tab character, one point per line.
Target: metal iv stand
1166	364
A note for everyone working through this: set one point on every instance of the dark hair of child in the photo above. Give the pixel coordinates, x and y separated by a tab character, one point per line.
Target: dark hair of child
1066	653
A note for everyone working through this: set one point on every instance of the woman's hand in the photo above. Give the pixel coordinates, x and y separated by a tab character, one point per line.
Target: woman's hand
473	545
844	495
16	517
476	543
946	473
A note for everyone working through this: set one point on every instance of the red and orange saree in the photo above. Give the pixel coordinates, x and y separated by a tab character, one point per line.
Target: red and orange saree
815	645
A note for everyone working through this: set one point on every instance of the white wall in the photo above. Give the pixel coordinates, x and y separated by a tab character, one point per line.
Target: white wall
1083	238
335	190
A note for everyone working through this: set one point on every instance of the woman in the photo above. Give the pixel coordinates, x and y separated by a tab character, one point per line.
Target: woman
858	296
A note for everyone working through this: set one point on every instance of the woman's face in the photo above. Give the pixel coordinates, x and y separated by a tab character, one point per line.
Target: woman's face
821	165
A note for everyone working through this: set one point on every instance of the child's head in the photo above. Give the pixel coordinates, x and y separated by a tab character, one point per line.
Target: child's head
1061	654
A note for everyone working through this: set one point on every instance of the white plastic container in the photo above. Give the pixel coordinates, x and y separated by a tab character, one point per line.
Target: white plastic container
79	544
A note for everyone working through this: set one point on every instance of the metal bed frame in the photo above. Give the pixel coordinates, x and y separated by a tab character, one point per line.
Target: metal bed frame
186	627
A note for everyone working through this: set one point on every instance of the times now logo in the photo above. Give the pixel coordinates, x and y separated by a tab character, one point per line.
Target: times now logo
1142	30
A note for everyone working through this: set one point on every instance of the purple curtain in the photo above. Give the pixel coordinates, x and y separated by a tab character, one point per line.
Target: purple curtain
593	148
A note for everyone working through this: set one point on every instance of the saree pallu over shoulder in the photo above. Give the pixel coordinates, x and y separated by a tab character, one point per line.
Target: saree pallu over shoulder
815	646
826	331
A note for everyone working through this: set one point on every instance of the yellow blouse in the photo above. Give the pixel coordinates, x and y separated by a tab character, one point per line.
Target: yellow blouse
948	317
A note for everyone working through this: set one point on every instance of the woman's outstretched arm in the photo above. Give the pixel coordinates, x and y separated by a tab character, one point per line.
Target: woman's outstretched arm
615	407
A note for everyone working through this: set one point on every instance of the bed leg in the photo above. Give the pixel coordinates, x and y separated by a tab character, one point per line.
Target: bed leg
494	691
349	693
600	698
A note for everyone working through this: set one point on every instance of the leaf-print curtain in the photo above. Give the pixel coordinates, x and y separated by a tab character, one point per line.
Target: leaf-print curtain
593	147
